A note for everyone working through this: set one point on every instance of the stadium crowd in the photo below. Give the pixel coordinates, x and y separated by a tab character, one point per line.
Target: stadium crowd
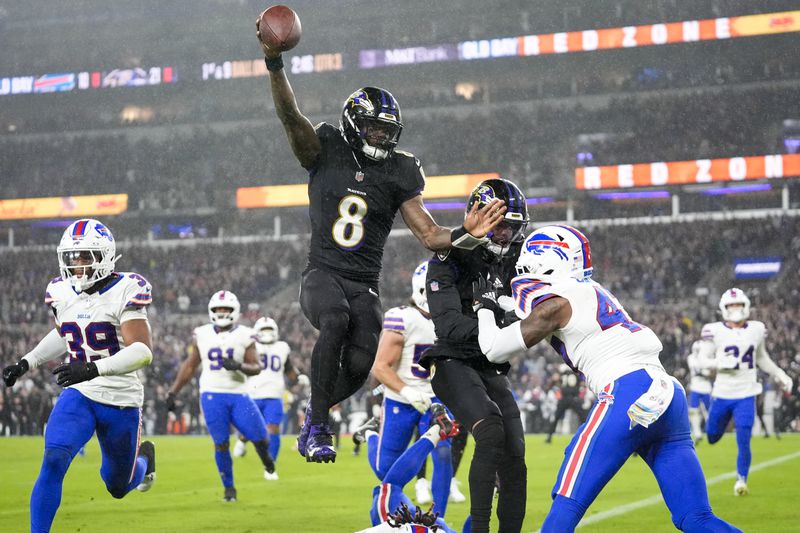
205	165
668	276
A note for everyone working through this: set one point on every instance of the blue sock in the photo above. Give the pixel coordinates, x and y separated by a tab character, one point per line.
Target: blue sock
744	457
442	476
46	496
373	441
274	445
408	464
225	467
564	515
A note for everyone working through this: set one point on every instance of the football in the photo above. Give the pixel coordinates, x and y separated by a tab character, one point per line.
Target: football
279	27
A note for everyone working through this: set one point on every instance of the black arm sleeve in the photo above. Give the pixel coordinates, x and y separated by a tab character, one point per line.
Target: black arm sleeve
444	300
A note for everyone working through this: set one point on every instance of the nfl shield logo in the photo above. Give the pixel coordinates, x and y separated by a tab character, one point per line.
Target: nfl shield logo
359	176
434	286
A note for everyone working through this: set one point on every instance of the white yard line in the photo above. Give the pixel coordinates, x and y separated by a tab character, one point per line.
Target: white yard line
652	500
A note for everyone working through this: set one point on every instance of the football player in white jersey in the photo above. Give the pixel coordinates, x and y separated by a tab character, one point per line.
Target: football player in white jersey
101	324
739	349
227	352
639	408
407	333
268	386
700	371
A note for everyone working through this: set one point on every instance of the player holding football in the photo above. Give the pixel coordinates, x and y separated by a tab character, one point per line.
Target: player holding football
639	408
475	390
407	333
358	182
228	355
700	370
101	323
268	386
738	346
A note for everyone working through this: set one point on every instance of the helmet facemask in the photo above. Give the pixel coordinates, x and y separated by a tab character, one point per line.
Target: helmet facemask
86	254
371	123
734	306
266	330
223	309
504	235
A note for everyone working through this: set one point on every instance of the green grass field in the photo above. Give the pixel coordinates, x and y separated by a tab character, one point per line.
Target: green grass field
336	497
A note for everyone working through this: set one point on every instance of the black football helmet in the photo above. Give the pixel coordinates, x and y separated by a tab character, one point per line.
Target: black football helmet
511	229
371	122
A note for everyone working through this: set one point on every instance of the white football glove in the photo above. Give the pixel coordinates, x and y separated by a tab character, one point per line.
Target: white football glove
303	380
420	401
786	383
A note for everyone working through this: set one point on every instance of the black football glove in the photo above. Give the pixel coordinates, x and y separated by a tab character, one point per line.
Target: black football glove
75	372
231	364
12	373
484	295
170	402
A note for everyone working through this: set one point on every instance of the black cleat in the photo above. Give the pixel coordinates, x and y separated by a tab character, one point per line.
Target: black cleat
148	450
447	426
230	494
359	435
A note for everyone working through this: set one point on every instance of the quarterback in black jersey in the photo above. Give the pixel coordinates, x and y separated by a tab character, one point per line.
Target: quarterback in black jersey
475	390
358	182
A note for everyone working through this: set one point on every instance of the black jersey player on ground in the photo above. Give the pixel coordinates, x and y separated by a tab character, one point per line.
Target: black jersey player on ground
357	184
476	391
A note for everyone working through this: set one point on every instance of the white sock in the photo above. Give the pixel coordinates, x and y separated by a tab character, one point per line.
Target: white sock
433	434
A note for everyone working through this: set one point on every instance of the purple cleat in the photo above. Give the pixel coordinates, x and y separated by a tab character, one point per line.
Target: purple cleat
320	445
302	437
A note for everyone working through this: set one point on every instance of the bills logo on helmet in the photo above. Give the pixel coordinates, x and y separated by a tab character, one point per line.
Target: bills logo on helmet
538	243
103	232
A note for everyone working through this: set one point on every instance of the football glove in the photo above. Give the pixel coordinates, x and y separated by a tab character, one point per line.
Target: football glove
303	380
12	373
418	400
786	383
231	364
75	372
484	295
170	402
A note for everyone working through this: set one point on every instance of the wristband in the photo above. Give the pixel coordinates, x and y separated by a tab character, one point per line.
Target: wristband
274	64
461	238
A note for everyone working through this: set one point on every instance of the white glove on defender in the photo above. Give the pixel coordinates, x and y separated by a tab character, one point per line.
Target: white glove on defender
786	382
420	401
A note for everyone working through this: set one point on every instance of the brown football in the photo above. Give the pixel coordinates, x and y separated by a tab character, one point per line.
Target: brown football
280	28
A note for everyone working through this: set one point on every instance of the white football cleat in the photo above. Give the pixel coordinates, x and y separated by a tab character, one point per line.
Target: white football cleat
423	490
240	448
456	496
270	476
740	488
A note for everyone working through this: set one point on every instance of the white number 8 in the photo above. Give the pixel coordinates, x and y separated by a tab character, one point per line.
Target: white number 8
348	230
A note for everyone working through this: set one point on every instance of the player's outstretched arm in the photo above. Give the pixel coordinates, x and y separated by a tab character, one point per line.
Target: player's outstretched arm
302	137
390	348
766	364
185	373
52	346
500	344
477	224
